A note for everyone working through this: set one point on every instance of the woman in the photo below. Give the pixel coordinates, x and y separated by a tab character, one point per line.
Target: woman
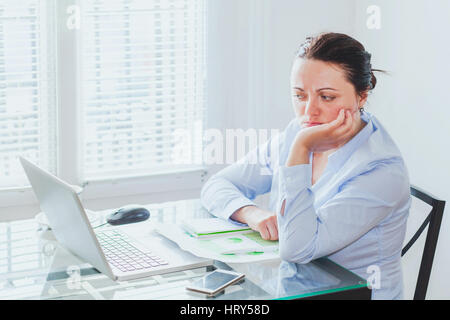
339	186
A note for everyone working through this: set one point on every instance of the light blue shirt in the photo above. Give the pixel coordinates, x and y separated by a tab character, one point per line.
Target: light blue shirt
355	214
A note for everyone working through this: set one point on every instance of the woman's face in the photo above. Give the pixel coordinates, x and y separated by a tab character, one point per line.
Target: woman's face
320	90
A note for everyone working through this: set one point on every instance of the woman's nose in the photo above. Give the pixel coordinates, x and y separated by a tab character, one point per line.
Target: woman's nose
312	108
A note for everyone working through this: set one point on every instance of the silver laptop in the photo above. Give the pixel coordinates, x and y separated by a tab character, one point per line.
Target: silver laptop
111	251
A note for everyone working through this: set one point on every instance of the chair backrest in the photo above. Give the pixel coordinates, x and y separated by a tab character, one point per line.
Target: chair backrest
433	220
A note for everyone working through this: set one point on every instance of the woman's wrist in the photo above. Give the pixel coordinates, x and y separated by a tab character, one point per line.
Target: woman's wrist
298	155
243	214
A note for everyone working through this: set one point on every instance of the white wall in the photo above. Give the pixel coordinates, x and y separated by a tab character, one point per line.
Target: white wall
284	26
413	103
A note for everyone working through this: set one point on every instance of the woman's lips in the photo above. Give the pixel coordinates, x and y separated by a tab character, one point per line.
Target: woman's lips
311	124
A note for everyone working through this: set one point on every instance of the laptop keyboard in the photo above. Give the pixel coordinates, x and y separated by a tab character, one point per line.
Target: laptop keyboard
123	255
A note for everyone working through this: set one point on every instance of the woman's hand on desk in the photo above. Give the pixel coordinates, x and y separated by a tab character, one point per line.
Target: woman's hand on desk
262	221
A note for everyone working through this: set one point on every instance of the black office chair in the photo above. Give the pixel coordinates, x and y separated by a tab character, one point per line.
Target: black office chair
433	219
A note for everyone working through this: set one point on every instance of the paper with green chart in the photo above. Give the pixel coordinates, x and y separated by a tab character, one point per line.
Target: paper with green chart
239	246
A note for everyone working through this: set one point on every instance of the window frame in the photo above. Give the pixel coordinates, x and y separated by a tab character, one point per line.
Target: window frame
68	162
163	181
38	55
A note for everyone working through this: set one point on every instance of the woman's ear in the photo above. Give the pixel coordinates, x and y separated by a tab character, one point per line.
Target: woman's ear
362	98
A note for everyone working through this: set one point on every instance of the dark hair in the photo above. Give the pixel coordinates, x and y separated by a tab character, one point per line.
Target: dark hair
345	51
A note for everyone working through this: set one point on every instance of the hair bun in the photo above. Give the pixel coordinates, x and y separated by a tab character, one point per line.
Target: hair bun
346	52
373	81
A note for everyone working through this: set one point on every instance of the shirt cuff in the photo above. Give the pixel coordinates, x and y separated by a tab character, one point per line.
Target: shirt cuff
294	179
235	205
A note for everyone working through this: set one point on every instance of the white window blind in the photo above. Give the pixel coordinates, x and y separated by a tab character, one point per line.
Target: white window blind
143	86
27	88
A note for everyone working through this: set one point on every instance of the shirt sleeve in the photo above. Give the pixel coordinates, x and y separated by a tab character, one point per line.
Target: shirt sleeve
361	203
237	185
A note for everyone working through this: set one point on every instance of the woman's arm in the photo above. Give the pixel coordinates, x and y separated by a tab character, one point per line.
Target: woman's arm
360	205
229	194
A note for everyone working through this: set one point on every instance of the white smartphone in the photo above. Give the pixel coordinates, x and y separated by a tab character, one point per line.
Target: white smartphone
215	282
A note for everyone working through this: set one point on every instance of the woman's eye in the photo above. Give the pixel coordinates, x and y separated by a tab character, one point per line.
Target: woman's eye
299	96
328	98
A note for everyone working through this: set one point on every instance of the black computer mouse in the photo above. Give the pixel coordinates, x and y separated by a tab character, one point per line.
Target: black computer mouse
129	214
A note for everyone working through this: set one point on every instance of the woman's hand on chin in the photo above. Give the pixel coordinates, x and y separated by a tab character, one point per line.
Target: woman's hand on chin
323	137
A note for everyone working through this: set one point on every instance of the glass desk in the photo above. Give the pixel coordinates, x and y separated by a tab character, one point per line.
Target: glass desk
34	266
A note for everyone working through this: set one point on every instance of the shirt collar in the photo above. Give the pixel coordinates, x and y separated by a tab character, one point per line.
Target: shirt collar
338	158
